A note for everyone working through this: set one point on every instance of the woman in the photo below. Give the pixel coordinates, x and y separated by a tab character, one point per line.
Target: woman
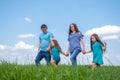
74	38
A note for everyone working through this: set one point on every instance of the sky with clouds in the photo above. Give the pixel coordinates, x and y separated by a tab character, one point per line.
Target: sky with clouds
20	22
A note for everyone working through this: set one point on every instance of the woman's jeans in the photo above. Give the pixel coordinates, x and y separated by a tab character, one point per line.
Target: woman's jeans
41	55
73	56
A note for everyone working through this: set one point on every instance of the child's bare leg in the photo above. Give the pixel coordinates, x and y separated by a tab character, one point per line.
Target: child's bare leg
94	66
53	63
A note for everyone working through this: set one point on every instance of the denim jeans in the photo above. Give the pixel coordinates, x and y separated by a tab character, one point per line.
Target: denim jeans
41	55
73	56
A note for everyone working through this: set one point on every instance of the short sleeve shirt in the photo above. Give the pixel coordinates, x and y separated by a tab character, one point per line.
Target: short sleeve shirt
74	40
45	40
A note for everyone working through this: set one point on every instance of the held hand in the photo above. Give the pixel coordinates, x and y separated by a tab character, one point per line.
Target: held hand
48	49
67	53
83	51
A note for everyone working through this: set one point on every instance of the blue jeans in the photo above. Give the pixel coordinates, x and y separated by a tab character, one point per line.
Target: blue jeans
41	55
73	56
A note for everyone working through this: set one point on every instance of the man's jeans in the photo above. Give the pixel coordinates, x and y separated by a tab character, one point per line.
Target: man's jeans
73	56
41	55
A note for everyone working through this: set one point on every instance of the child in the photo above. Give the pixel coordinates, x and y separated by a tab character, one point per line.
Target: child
55	51
97	47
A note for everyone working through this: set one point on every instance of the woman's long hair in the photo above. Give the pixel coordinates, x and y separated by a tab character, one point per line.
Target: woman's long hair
76	28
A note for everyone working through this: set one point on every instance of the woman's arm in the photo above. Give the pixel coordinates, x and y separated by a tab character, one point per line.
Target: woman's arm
51	43
83	46
68	49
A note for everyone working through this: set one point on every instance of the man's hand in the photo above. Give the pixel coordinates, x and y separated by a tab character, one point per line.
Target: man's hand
48	49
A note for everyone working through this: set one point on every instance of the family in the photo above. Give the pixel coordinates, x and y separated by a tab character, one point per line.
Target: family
49	47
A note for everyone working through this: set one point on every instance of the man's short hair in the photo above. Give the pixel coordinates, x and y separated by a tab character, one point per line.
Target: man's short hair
43	26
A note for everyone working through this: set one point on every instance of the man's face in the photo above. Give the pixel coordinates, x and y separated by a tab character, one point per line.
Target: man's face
44	29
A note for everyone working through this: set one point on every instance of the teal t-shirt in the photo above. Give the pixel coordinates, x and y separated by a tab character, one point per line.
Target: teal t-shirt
45	40
55	53
97	53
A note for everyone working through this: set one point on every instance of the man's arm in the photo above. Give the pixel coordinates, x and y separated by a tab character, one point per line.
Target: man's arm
38	46
48	49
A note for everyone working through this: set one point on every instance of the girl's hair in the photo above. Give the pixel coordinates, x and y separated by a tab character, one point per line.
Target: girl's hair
97	39
76	28
57	45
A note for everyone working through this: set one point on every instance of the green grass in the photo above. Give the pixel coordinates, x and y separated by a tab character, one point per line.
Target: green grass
62	72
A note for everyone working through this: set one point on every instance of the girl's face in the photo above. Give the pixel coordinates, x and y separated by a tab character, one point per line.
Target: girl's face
52	44
93	39
72	28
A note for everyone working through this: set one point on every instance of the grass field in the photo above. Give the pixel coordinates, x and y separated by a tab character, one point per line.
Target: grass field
62	72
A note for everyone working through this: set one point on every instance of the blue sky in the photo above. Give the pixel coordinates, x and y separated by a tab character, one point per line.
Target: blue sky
20	22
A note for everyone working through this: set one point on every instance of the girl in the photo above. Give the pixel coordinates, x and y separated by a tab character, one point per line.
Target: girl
55	51
74	47
97	47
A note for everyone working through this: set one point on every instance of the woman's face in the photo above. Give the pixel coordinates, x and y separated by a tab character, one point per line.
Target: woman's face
93	39
52	43
72	27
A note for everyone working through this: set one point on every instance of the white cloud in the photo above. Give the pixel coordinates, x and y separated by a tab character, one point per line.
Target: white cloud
3	47
26	35
110	37
22	45
107	29
27	19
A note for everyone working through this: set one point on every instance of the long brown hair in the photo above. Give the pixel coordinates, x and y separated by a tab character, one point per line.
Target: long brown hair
97	39
57	45
76	28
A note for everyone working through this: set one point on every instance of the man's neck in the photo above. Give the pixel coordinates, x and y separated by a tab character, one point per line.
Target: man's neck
45	32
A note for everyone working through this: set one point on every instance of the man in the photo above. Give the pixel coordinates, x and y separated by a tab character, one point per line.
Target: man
44	45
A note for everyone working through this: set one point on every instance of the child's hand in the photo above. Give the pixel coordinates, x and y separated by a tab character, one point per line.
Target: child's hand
84	53
104	43
66	54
